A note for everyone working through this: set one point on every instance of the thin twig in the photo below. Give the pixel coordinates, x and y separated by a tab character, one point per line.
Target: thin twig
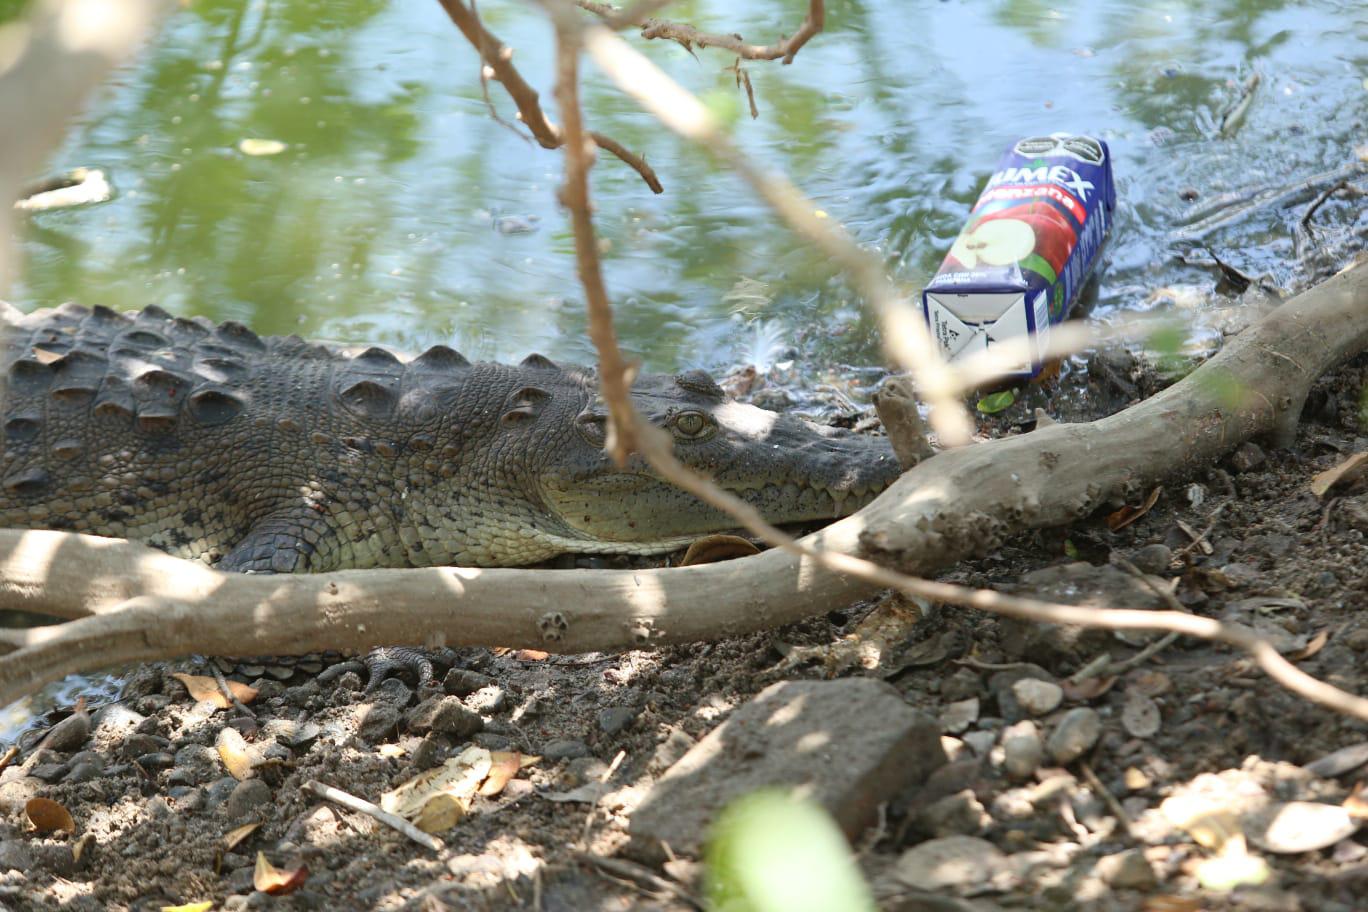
362	806
1105	794
638	876
498	57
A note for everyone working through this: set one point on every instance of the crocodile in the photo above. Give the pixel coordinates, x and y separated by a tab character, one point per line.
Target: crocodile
273	454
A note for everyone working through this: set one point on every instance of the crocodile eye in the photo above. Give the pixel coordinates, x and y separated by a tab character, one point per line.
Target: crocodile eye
691	424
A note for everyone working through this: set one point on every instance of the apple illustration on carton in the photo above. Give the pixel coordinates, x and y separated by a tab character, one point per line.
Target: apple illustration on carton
1012	236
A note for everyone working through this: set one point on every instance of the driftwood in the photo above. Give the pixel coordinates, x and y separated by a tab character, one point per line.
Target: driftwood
128	603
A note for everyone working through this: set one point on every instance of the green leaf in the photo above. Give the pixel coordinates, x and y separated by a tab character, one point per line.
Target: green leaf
993	403
1038	264
1070	549
770	852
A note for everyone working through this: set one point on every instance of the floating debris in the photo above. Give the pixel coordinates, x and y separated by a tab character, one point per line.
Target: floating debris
79	187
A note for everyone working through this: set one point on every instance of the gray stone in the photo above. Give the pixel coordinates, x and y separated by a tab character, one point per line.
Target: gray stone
1022	751
461	682
392	691
85	772
959	715
615	718
1075	735
980	742
135	745
48	772
1153	559
1128	870
445	714
565	749
848	745
962	863
1247	458
488	701
69	734
246	796
1036	697
379	722
218	791
959	814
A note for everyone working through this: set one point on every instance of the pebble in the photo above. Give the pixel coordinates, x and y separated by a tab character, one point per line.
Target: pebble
218	791
980	742
564	749
1075	735
962	685
1154	559
1037	697
461	682
68	734
959	715
1248	457
1128	870
247	796
962	863
379	722
488	701
1140	716
48	772
86	772
1344	760
1022	751
960	814
1299	826
392	691
137	744
616	718
446	714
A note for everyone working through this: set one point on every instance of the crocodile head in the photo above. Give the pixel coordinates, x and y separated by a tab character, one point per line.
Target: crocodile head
790	469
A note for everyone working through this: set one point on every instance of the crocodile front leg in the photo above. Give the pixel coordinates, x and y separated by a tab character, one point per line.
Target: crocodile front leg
300	540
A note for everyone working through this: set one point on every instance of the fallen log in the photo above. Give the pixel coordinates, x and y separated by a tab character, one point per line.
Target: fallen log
128	603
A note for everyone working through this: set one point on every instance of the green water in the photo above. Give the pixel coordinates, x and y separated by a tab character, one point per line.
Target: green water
401	213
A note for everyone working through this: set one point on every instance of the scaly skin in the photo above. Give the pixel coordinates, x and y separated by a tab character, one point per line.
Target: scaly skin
275	455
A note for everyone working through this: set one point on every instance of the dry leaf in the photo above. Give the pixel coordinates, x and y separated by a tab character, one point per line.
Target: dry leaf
204	906
1088	688
531	655
1128	514
235	754
1357	802
1348	471
504	765
448	786
1316	645
43	356
238	834
269	879
391	751
713	548
202	688
47	816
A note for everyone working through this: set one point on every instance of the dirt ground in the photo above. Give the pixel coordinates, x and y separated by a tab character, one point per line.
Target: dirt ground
1171	763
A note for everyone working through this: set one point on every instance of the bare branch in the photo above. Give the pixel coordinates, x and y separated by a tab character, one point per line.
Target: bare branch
690	37
498	57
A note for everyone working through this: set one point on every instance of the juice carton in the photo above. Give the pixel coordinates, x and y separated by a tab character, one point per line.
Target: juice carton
1031	241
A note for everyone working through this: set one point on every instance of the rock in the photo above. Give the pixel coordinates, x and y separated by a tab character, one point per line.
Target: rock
959	814
15	793
616	718
246	796
668	752
1153	559
392	691
1037	697
1344	760
155	761
445	714
564	749
1075	735
379	722
461	682
1022	751
429	752
114	722
1140	716
1128	870
48	772
960	863
15	855
1298	826
959	715
849	745
86	772
1247	458
962	685
218	791
69	734
135	745
488	701
980	742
